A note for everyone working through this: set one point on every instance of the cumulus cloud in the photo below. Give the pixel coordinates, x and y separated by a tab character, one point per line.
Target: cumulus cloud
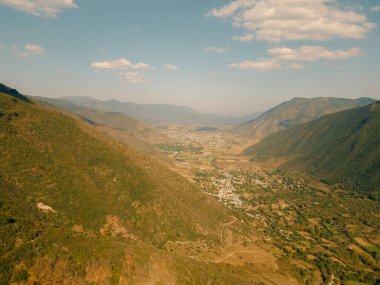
126	65
278	20
312	53
375	9
290	58
29	50
170	67
262	65
44	8
119	64
132	76
215	49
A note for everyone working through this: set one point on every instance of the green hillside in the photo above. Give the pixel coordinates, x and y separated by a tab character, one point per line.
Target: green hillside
78	208
293	112
339	148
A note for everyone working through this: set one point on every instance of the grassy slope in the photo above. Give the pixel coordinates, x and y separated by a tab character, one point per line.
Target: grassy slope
295	111
50	158
340	148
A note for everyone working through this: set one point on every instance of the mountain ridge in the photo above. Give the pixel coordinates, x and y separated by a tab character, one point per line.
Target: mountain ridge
14	93
115	120
342	147
157	113
295	111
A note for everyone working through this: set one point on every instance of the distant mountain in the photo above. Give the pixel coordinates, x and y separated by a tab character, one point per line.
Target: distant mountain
13	92
338	148
293	112
156	113
250	117
112	119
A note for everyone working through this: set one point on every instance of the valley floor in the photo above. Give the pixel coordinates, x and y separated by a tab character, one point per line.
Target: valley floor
325	235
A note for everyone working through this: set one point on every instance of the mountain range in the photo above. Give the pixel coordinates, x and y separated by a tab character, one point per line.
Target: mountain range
114	120
295	111
158	113
340	148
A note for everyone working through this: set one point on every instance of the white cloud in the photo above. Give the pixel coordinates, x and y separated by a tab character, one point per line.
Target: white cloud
245	38
2	45
132	76
278	20
34	49
141	65
29	50
118	64
45	8
312	53
375	9
228	10
216	49
124	64
170	67
18	53
262	65
295	65
294	56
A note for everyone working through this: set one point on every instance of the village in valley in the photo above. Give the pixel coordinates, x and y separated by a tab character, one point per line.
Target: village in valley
294	214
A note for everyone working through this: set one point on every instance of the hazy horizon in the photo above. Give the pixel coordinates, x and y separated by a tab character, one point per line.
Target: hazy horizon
206	111
222	57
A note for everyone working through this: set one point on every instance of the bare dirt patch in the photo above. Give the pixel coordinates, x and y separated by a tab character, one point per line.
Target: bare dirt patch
46	271
362	242
98	273
114	227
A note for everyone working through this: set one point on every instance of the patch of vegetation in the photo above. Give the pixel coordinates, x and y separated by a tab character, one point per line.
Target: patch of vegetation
374	250
207	129
177	148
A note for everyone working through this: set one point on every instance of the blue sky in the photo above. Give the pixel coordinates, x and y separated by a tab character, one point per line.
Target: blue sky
227	57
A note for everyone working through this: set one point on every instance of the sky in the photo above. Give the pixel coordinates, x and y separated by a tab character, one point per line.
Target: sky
229	57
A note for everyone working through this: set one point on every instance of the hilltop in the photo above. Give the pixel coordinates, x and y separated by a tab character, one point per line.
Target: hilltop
13	92
293	112
338	148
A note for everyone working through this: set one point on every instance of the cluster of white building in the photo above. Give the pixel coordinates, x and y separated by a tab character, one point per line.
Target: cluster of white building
227	192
